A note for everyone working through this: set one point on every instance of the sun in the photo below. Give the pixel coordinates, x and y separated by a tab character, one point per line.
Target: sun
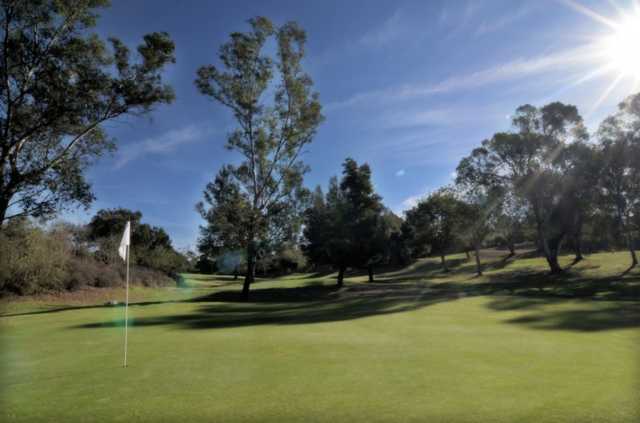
622	47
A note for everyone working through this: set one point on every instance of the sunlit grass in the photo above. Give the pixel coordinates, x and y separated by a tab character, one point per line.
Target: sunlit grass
419	345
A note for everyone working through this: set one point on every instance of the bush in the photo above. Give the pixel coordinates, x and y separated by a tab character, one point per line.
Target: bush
163	259
150	277
34	261
31	260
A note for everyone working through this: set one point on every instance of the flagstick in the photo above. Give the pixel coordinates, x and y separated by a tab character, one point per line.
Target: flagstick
126	310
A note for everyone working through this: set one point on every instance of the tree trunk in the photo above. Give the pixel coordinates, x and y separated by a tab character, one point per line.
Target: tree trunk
341	276
552	248
577	241
370	269
251	270
550	253
632	251
478	265
444	263
467	253
512	248
235	273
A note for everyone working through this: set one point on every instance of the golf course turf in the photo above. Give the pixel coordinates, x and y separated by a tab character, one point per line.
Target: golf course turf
418	345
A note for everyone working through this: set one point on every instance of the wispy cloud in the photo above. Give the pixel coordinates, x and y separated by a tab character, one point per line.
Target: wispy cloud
400	173
428	117
517	68
391	30
412	201
162	144
499	23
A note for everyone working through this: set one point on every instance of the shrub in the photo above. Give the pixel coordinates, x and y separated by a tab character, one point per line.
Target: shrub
31	260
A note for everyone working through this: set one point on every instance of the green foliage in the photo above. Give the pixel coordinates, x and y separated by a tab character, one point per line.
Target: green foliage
150	245
530	162
620	177
59	84
271	135
226	212
31	261
436	224
34	260
349	226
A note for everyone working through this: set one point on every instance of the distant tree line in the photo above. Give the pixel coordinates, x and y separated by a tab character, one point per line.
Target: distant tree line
547	184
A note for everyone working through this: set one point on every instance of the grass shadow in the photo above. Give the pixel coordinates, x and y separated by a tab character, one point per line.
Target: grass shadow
300	305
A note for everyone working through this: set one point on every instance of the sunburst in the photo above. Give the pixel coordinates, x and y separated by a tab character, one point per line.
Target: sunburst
617	50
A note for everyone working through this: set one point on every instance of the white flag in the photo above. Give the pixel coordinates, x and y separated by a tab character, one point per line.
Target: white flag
126	241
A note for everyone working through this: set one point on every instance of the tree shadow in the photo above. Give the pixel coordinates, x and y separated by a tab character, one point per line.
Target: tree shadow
88	307
426	269
290	306
526	290
586	319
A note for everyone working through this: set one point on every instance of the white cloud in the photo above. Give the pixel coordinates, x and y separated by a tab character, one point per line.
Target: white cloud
412	201
400	172
406	119
391	30
163	144
497	24
517	68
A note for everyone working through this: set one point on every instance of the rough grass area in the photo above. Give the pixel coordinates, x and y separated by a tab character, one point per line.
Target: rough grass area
416	345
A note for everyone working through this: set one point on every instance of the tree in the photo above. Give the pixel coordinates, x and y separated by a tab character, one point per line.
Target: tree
526	163
581	167
59	85
363	216
226	212
270	136
151	245
619	137
478	211
349	226
435	222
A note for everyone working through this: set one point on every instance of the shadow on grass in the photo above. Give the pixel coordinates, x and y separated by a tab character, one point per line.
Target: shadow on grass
525	290
285	306
86	307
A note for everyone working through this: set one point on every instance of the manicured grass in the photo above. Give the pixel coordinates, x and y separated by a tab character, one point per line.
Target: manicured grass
417	345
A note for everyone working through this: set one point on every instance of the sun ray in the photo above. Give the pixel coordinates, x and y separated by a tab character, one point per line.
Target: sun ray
605	94
617	7
590	13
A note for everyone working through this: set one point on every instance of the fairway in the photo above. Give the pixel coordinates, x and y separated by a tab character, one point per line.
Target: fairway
407	348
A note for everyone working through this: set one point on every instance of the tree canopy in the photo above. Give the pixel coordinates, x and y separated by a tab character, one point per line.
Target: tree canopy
59	84
271	135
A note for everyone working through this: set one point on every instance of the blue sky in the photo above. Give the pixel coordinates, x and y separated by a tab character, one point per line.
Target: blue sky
409	87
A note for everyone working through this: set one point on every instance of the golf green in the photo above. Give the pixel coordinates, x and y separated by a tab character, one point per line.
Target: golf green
415	346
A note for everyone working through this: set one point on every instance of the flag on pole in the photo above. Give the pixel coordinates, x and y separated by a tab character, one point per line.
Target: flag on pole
125	242
123	251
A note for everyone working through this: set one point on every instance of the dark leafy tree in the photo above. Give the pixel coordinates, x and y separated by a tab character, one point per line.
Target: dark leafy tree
435	223
619	137
478	210
59	84
364	221
580	165
350	226
271	135
526	162
226	213
151	245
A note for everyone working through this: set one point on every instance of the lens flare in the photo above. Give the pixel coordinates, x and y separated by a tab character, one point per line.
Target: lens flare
622	48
